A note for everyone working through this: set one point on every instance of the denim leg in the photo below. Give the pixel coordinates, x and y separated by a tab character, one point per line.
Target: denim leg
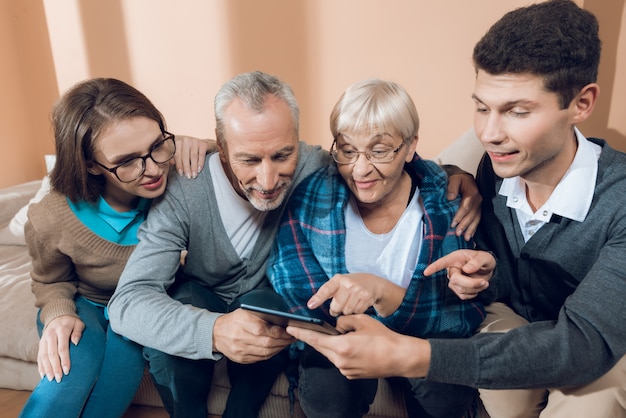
325	392
429	399
251	383
184	384
120	376
67	398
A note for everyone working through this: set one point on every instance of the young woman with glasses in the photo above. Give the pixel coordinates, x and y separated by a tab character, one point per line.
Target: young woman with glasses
356	237
113	157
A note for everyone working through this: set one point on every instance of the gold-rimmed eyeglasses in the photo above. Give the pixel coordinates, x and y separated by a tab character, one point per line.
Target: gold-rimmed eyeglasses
379	154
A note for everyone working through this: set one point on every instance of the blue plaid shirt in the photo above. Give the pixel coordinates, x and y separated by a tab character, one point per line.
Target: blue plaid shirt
310	249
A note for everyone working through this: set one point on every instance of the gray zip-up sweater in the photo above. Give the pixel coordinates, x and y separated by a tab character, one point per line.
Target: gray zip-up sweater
187	217
568	280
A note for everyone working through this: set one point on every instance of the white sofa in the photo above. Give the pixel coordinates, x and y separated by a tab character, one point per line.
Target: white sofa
18	334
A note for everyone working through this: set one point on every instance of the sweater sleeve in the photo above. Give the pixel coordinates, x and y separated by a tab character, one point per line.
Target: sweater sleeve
586	337
568	352
54	282
584	342
140	308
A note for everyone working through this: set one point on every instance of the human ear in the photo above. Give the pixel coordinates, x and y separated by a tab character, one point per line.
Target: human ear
219	144
93	168
584	102
412	145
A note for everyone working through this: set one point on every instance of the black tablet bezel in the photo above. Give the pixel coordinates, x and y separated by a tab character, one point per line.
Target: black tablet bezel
284	319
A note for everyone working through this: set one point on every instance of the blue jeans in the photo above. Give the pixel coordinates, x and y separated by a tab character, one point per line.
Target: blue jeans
184	384
105	372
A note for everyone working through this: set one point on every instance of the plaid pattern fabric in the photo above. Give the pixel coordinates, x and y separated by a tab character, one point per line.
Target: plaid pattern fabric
310	249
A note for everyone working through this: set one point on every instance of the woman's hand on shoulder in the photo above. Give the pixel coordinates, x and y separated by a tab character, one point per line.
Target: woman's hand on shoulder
53	358
190	154
467	216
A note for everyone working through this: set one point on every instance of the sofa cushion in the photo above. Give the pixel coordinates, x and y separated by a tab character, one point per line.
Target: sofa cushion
12	233
18	333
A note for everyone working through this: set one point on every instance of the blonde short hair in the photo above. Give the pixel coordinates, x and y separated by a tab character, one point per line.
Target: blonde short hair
375	104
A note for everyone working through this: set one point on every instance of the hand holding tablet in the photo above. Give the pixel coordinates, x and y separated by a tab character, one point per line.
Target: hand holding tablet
283	319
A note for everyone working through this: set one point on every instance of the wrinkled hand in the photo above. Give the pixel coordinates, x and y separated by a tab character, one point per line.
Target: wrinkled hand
469	271
369	349
354	293
245	338
466	219
53	358
190	153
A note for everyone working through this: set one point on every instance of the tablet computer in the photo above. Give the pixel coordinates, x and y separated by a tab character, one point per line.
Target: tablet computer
283	319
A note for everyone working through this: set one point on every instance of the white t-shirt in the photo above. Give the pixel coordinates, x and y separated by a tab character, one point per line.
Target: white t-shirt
392	255
241	220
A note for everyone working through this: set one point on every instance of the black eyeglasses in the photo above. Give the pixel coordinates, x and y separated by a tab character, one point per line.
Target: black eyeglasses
379	154
132	169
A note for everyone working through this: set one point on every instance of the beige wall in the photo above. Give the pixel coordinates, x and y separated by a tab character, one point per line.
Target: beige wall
179	53
27	90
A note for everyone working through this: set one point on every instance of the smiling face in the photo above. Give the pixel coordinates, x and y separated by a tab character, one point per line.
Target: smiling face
523	128
259	151
375	183
119	142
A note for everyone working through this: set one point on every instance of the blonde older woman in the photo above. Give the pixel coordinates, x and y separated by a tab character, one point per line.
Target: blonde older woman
356	238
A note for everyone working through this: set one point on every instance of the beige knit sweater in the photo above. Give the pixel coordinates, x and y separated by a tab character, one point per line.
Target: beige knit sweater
69	259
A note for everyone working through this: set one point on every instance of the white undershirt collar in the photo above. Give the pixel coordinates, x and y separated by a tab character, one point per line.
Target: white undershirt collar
571	197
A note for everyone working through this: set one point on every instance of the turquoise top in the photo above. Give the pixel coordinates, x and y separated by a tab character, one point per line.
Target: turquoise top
109	224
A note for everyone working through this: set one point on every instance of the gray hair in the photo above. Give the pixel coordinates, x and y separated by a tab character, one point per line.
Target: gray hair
252	89
375	103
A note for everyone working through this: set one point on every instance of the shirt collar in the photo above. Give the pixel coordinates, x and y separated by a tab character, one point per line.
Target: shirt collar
119	220
572	196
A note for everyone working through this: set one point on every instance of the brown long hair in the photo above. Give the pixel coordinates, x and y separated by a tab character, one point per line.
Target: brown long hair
78	117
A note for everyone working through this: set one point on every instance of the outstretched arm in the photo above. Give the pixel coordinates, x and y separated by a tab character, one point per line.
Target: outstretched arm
368	349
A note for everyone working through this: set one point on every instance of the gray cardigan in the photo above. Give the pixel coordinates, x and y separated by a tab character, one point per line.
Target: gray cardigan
568	280
187	217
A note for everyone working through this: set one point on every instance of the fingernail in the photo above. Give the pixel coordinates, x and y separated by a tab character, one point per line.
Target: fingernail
66	370
41	374
450	196
194	174
57	377
454	224
180	172
49	377
200	169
